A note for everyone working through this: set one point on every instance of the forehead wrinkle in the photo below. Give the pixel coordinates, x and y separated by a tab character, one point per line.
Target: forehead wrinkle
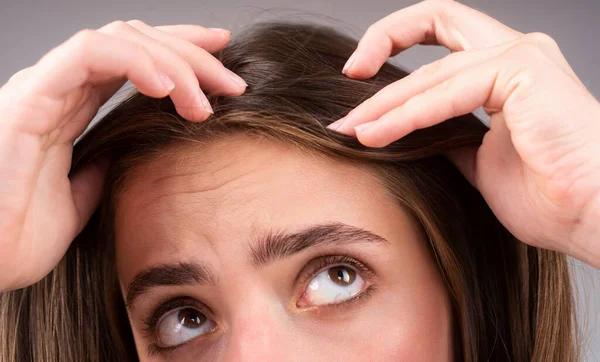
194	188
182	162
176	216
190	178
158	194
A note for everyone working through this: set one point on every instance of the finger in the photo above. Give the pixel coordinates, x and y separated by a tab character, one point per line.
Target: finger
451	24
91	54
210	39
496	152
86	188
459	95
395	94
189	100
212	75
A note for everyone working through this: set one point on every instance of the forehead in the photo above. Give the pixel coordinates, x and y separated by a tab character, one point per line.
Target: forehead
207	200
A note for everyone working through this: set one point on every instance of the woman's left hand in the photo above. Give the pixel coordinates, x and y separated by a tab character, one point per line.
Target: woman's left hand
539	165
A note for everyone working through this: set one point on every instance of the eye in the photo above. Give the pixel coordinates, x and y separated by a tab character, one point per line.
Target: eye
332	286
181	325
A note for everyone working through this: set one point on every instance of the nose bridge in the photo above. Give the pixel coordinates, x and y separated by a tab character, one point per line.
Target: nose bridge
259	332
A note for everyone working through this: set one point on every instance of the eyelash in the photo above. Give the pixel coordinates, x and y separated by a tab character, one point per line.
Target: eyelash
164	308
324	262
312	268
320	263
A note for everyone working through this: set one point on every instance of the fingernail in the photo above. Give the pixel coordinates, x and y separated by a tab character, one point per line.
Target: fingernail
220	31
362	127
204	101
236	78
349	62
337	124
166	81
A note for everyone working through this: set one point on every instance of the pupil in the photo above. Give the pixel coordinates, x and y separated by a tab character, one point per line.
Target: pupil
190	318
342	275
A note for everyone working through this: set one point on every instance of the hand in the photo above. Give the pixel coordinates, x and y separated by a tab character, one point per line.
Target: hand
44	108
538	167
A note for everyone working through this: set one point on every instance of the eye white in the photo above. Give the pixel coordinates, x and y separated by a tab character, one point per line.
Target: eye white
181	325
322	290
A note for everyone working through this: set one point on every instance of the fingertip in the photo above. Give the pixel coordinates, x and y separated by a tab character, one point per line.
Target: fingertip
370	135
218	38
367	59
220	32
194	113
166	81
348	66
369	140
159	86
345	125
359	71
337	124
86	188
364	127
239	84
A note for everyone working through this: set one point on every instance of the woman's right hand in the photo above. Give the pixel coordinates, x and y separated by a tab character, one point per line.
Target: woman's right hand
45	107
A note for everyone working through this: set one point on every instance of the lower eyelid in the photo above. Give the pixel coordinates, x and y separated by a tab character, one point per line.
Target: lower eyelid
365	295
155	349
368	290
325	261
344	310
169	305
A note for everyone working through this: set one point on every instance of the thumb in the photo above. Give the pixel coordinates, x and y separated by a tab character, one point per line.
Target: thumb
465	160
86	188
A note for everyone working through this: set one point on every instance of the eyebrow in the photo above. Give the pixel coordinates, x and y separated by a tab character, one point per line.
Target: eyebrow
263	250
168	274
280	245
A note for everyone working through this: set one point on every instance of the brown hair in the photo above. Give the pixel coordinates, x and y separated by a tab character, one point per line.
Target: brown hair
511	302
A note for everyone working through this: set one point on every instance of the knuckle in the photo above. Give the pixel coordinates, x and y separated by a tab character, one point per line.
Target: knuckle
376	29
440	6
137	23
21	74
81	41
83	36
371	28
526	80
117	27
15	105
526	51
528	74
542	39
524	71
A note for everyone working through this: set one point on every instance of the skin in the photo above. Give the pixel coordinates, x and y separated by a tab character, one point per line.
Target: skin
45	107
206	203
537	167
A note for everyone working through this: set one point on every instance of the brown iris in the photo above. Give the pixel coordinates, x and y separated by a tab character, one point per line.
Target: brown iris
342	275
190	318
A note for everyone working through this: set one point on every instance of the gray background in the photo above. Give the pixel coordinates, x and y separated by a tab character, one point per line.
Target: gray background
31	28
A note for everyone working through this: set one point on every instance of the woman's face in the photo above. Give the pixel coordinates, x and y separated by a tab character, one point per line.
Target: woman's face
249	250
